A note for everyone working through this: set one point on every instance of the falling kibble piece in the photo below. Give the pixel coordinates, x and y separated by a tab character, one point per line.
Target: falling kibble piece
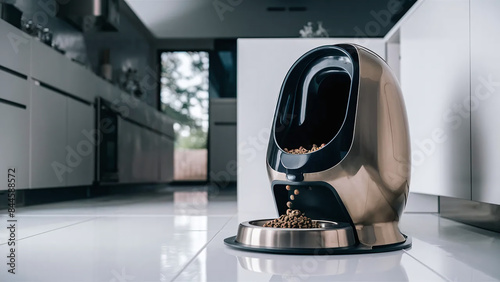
289	204
296	191
292	197
288	187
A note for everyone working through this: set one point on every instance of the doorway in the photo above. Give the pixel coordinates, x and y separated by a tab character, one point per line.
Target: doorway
184	97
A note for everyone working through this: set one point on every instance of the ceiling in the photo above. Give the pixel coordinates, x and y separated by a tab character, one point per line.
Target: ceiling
267	18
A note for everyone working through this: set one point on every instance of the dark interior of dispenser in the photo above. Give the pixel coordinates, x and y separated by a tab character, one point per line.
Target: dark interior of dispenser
318	200
313	112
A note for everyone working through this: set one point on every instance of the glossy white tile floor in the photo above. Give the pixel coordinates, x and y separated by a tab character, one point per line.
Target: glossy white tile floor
149	238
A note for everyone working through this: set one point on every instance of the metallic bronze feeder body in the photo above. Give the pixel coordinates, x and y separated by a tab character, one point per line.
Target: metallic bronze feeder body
346	97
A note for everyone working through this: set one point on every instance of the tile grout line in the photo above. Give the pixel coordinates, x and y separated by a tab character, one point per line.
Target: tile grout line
201	250
79	222
426	266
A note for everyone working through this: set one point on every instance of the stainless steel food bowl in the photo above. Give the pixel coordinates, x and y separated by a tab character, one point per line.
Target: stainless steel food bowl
330	238
329	235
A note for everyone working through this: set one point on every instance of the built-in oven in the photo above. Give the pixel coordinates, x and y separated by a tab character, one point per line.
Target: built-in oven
107	146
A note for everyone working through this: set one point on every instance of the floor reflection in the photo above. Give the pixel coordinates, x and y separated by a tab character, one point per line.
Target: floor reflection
307	268
190	202
185	204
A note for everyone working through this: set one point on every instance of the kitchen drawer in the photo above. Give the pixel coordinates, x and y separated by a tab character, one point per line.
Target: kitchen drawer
56	70
15	46
14	88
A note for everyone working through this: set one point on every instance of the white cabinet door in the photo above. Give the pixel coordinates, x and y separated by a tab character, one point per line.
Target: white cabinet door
14	123
131	150
223	153
435	80
125	150
49	165
14	145
81	142
166	159
147	161
143	164
485	100
137	154
152	159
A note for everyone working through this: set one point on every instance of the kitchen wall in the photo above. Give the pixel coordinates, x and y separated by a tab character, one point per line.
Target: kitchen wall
131	46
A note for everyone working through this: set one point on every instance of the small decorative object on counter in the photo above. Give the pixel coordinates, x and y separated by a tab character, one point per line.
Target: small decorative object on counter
308	31
130	83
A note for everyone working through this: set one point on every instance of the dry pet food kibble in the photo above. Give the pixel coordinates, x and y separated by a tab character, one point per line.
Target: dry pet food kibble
302	150
296	191
289	204
292	219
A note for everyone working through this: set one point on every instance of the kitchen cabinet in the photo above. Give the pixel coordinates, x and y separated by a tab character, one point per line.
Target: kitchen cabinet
435	80
50	159
223	155
15	46
222	164
485	100
126	150
14	122
143	154
138	153
150	156
166	159
81	142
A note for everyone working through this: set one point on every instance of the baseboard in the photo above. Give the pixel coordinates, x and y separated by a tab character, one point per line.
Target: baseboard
483	215
422	203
